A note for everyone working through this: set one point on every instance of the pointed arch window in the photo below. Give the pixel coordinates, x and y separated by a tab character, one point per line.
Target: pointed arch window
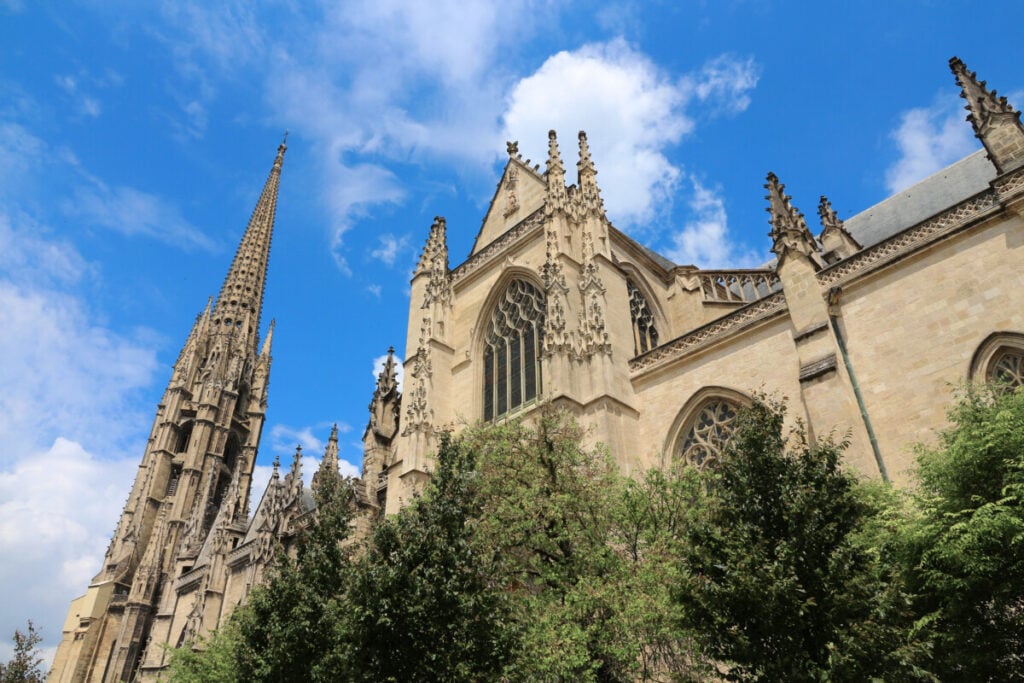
707	432
512	372
645	334
999	360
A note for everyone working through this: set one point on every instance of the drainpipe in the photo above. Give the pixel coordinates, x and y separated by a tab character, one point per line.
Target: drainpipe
833	308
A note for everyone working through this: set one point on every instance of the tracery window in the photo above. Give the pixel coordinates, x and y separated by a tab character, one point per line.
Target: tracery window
512	372
645	334
1007	367
707	433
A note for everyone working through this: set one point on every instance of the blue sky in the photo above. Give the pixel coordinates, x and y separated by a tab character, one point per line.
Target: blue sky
136	138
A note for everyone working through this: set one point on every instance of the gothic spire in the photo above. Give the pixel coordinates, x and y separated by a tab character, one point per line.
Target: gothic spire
836	241
242	292
557	196
555	169
185	356
996	123
329	465
437	244
269	341
293	480
589	191
789	229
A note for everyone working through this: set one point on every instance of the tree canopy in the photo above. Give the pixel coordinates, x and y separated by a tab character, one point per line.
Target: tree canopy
529	556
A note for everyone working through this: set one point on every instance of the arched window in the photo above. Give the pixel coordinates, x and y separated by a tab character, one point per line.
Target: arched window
512	374
1006	367
706	433
184	436
1000	360
645	334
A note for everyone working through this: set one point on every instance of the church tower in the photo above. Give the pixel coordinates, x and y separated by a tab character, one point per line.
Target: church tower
190	499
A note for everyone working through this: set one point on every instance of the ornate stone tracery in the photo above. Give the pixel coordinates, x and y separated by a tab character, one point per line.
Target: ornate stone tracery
1007	367
645	334
706	434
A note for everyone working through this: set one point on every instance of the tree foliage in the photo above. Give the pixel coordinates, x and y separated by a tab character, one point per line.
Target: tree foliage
965	553
421	605
26	662
529	556
776	584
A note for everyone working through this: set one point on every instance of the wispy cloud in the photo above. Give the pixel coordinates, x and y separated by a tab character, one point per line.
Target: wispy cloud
928	140
705	240
724	83
131	212
284	439
389	247
70	390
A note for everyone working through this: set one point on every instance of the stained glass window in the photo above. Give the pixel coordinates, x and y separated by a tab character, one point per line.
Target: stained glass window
511	365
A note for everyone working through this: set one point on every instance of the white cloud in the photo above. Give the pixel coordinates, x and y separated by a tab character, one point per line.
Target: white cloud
24	154
705	240
929	139
132	212
378	367
632	112
284	439
27	258
72	423
58	507
375	290
64	375
724	83
389	248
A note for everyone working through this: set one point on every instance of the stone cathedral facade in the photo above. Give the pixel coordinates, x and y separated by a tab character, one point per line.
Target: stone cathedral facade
866	327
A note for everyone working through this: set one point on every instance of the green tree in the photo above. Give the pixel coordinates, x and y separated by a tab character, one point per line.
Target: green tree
209	660
568	537
287	630
422	607
775	580
24	665
965	553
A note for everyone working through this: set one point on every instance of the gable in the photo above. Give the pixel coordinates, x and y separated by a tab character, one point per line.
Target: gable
520	192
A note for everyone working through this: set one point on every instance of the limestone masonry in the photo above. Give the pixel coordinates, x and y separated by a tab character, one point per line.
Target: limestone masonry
867	328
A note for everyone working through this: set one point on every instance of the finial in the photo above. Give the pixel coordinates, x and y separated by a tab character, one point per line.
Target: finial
334	433
554	158
436	246
996	123
829	219
585	164
277	463
789	229
512	147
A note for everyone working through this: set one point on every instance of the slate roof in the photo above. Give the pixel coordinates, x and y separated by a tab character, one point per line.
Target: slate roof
937	192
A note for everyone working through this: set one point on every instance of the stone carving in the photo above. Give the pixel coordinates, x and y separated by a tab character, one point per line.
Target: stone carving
789	229
419	417
913	238
511	196
739	319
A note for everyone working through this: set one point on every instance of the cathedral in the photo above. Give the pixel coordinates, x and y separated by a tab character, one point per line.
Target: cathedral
866	328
